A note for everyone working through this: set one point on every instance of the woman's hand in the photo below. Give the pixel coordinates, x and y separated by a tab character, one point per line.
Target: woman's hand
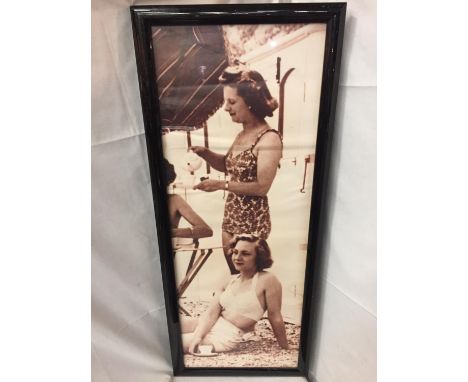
195	342
209	185
199	150
214	160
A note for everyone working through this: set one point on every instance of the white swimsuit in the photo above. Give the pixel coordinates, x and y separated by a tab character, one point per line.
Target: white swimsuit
224	335
244	303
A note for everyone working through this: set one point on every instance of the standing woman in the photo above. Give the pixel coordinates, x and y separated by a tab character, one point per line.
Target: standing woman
252	160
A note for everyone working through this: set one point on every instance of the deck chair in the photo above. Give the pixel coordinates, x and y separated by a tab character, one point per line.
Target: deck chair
198	258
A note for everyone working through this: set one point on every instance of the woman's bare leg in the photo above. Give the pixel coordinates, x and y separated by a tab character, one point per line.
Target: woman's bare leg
226	238
188	324
186	341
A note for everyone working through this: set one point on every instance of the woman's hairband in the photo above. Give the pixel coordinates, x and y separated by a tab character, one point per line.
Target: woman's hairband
239	72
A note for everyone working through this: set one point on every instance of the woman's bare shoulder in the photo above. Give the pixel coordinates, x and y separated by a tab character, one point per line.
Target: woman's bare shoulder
270	138
174	198
268	278
222	281
269	143
176	201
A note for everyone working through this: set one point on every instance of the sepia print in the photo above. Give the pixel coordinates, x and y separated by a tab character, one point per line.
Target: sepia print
239	107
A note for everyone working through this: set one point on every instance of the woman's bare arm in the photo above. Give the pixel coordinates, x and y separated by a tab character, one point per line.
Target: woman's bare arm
206	322
199	227
215	160
268	152
273	296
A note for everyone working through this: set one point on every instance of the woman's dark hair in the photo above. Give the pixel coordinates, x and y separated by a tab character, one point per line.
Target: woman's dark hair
252	87
170	174
263	259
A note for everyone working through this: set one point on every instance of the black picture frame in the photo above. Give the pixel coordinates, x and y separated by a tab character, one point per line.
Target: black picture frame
146	17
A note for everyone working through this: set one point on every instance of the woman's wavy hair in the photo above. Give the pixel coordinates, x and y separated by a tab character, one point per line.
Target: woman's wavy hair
263	259
169	172
252	87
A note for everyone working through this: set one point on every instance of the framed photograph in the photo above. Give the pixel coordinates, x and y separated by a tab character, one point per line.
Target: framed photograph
238	105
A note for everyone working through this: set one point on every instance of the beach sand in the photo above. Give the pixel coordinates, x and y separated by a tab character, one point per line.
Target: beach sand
264	352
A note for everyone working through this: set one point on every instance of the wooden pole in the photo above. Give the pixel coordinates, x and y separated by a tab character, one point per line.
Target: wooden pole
205	135
189	140
281	102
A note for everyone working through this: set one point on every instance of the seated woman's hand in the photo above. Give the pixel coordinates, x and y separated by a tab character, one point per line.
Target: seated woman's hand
209	185
194	344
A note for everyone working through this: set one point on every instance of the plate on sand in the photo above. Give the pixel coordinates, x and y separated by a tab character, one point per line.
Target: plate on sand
205	354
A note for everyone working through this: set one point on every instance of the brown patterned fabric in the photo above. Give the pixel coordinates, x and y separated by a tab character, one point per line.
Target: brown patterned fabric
246	213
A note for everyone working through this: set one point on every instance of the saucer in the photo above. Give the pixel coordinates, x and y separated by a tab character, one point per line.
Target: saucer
205	354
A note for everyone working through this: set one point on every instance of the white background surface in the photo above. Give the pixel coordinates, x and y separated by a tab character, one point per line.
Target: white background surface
45	215
128	318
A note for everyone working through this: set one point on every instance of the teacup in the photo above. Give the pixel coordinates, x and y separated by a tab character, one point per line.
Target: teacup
205	349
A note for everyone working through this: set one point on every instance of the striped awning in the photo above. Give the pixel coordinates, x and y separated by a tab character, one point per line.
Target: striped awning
188	62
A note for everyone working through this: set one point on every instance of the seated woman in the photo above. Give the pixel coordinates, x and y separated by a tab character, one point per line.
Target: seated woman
240	302
179	208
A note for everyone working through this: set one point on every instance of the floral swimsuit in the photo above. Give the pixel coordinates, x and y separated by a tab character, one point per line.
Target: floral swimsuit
246	213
